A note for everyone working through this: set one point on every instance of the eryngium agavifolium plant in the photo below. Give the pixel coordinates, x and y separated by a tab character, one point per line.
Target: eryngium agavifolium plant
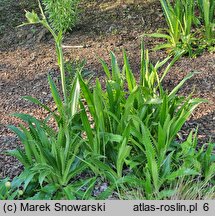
135	127
53	157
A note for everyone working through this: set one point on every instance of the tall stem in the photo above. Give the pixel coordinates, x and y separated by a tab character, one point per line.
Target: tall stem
58	42
62	71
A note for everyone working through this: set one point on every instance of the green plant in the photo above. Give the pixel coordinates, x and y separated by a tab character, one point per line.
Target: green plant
50	155
192	189
53	157
163	172
110	109
26	187
179	18
71	69
180	189
181	175
62	14
8	191
206	9
135	127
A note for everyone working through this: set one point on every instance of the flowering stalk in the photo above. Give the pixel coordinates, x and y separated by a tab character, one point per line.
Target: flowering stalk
33	18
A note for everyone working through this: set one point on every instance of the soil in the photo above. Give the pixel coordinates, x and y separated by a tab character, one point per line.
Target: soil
27	55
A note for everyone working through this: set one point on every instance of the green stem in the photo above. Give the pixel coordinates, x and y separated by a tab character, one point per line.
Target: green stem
62	71
58	42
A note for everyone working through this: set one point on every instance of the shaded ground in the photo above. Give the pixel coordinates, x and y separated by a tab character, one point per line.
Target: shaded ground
28	54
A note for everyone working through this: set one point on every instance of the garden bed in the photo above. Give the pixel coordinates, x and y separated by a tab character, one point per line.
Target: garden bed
26	58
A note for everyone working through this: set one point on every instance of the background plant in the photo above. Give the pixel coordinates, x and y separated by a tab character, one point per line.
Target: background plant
206	9
182	23
179	18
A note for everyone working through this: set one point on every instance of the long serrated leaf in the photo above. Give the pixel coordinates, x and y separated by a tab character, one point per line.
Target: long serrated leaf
74	97
129	75
37	102
175	90
87	95
158	35
105	68
56	96
181	172
115	69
